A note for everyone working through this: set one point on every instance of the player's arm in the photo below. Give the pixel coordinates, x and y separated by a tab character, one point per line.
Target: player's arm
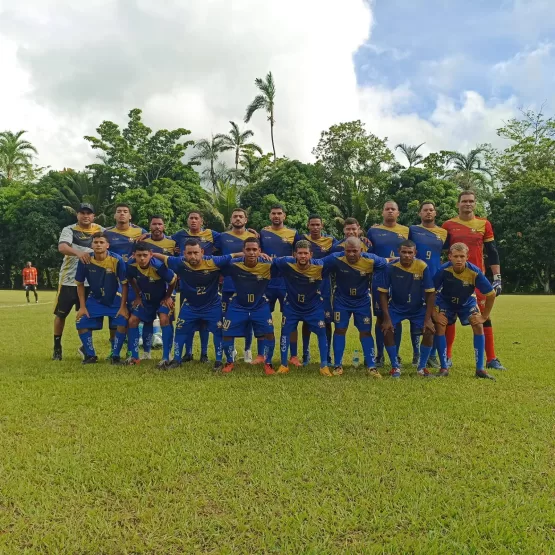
494	263
485	287
67	250
80	277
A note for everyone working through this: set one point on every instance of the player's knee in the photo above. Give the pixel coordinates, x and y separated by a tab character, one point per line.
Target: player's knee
81	332
478	329
340	331
121	329
364	334
164	320
270	337
133	321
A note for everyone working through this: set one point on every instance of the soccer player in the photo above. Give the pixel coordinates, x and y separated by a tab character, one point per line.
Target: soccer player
75	244
276	240
407	293
107	278
430	240
455	283
30	280
154	284
232	242
201	302
353	271
386	238
304	278
321	245
351	228
477	235
251	276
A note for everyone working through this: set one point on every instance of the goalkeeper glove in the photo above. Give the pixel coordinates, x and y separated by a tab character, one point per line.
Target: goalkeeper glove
497	284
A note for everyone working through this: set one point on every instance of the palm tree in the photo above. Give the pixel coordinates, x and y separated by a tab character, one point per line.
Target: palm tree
468	169
208	151
411	153
15	154
239	142
223	201
265	101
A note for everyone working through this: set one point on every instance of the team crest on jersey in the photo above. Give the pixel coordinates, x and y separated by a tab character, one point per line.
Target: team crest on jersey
362	273
109	271
466	284
400	235
311	280
417	276
328	314
270	322
206	272
321	324
259	278
472	230
367	320
219	324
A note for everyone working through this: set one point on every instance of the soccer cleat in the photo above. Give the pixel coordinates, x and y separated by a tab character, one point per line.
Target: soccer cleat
338	371
306	359
37	302
260	359
173	364
90	359
380	361
424	373
57	355
395	373
484	374
399	361
218	365
283	369
203	359
162	365
449	363
28	301
373	373
433	362
443	373
247	357
133	361
295	362
228	367
188	358
268	370
114	359
109	357
146	356
495	364
415	359
325	371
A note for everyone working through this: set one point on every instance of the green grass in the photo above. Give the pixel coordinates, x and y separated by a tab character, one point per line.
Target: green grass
131	460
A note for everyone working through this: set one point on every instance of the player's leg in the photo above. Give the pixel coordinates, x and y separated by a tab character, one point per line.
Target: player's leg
363	323
186	324
415	335
147	334
35	293
378	328
263	327
341	317
440	340
204	335
389	343
417	328
27	293
120	338
491	358
398	339
85	326
234	324
306	343
272	295
450	334
289	322
165	315
214	326
133	334
66	300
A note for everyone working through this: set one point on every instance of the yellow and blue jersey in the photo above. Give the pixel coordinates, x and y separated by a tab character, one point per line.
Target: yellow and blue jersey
457	290
199	284
105	278
407	287
352	280
430	242
232	244
209	240
340	246
321	248
121	242
278	243
166	245
303	285
386	240
152	281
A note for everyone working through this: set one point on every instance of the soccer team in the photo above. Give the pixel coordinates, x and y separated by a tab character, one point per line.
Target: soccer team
131	276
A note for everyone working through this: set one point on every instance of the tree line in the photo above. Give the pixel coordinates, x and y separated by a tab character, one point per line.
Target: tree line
354	172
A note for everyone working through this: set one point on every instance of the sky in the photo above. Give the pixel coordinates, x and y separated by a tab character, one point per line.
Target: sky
446	73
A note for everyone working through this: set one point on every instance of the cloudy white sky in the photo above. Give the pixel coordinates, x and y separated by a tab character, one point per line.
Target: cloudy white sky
447	72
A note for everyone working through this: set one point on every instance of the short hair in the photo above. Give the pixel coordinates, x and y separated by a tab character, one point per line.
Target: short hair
303	244
390	201
353	242
240	210
29	262
142	246
100	235
461	247
195	212
192	243
467	192
123	205
251	240
423	203
350	221
315	217
408	243
277	206
156	217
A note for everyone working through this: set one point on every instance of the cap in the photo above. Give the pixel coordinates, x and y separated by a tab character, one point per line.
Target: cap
86	206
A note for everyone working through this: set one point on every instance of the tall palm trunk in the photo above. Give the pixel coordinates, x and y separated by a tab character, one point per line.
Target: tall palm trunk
272	135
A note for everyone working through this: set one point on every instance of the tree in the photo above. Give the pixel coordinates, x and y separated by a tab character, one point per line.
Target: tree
265	100
16	155
209	151
411	153
238	141
253	168
469	171
222	202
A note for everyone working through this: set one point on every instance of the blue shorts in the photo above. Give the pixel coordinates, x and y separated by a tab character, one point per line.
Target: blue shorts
191	319
237	319
97	313
362	315
226	299
463	312
148	312
274	295
376	299
315	319
416	319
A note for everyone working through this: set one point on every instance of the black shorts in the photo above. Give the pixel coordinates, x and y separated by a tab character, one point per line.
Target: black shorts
30	287
67	299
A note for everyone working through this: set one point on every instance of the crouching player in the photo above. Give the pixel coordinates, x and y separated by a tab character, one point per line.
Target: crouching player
455	283
107	278
153	283
303	302
407	293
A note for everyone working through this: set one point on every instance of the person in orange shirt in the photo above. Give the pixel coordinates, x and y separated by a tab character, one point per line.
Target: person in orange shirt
30	280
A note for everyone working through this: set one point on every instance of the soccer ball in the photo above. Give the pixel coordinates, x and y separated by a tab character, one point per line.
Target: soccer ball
157	341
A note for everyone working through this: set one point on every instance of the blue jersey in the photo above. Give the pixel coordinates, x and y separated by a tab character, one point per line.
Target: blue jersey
232	244
166	245
352	280
209	240
430	242
278	243
386	240
199	284
122	242
340	246
152	281
320	248
250	283
105	278
407	287
457	290
303	286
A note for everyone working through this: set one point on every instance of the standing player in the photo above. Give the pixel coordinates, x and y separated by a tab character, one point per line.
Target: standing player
386	238
107	278
353	271
430	240
251	276
407	293
351	228
276	240
304	278
30	280
153	284
456	283
477	235
75	244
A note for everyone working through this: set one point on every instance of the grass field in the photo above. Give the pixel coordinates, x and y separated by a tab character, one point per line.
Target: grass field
116	460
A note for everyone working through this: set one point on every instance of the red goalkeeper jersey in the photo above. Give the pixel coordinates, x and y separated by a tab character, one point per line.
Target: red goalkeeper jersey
30	276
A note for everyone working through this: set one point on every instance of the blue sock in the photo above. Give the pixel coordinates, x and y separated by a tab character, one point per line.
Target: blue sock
424	356
218	346
204	337
379	341
433	352
228	348
339	342
367	344
322	347
188	344
148	330
415	340
392	354
86	340
167	340
284	348
441	345
133	341
111	344
260	346
179	340
270	345
119	340
293	348
306	346
398	337
248	337
479	347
